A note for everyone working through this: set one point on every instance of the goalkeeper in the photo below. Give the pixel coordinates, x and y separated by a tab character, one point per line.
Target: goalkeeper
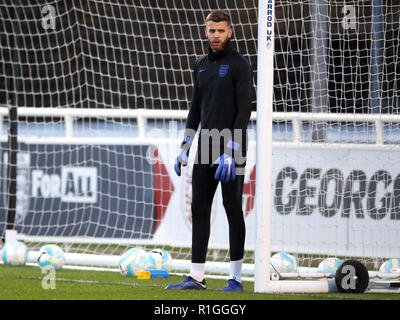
221	103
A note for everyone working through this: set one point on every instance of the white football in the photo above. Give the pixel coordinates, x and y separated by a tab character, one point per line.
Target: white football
390	266
329	265
159	259
132	261
15	253
283	262
51	255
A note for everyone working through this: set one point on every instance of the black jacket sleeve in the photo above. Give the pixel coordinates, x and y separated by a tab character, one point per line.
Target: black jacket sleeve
243	77
193	119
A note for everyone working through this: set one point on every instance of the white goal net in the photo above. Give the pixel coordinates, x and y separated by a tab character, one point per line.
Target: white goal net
102	91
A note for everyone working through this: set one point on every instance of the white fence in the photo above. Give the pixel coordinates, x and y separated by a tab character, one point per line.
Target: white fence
143	115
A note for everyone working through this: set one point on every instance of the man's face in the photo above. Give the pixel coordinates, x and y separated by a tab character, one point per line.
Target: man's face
218	34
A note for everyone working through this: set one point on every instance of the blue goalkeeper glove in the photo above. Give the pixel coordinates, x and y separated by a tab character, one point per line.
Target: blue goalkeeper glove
226	171
182	158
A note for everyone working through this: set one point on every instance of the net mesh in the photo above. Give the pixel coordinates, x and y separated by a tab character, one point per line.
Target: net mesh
89	175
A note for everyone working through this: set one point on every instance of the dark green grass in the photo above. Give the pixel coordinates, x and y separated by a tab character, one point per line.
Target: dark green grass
25	283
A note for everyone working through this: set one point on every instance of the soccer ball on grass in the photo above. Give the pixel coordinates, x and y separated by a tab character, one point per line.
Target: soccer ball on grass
283	262
329	265
132	261
51	255
390	266
15	253
159	259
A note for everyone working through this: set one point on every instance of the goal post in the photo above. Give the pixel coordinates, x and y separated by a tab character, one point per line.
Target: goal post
264	140
265	87
322	66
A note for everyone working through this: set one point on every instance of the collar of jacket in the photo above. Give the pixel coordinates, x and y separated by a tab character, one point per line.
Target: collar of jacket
215	55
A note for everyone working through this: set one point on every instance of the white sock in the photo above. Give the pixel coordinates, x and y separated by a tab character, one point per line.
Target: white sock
197	271
236	270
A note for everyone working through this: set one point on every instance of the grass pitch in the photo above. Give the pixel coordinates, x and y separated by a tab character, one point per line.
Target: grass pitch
29	283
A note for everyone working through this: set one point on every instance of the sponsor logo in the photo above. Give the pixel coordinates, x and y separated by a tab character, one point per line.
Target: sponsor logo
270	24
74	184
332	193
